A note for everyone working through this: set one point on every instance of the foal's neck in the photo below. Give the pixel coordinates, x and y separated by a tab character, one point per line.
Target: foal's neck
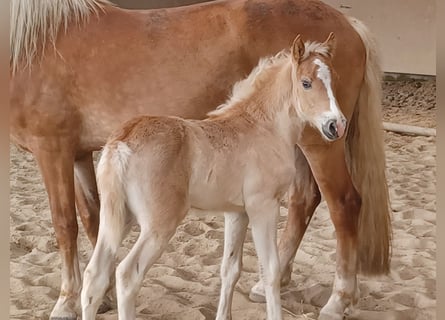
271	104
266	103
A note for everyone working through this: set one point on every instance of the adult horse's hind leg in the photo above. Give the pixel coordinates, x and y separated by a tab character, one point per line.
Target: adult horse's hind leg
235	227
56	160
330	170
304	197
87	198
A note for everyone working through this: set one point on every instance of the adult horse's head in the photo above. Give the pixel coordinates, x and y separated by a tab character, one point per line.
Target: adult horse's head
314	81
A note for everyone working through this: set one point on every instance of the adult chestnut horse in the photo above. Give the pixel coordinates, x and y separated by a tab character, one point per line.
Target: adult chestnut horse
80	68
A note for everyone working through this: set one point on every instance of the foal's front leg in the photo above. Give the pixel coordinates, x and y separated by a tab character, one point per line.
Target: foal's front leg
263	215
235	227
304	197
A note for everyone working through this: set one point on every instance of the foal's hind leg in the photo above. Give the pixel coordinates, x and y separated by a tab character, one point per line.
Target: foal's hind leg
235	227
304	198
158	225
56	160
96	278
330	170
88	206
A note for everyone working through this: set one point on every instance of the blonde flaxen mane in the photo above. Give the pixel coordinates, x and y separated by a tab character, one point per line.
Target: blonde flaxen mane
35	23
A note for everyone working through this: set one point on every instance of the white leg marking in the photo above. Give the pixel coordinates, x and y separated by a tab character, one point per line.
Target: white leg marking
344	292
235	227
68	304
263	217
96	278
131	271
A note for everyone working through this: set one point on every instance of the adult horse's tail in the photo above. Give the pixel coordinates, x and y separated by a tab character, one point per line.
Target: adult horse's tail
366	158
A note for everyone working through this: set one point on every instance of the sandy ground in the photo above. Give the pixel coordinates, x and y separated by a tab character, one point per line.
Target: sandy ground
184	283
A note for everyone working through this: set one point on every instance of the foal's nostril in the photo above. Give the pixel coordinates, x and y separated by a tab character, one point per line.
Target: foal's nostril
330	129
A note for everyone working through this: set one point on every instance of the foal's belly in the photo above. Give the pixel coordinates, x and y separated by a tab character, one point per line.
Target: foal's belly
211	196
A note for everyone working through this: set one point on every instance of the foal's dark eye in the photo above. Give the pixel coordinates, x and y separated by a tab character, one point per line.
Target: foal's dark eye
306	84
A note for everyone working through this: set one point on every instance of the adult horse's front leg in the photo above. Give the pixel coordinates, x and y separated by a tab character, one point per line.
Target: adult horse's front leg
329	167
56	161
304	197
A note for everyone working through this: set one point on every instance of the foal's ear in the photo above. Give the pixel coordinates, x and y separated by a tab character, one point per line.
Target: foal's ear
297	49
331	43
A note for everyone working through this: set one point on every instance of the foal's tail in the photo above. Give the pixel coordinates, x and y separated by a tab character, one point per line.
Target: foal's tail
366	158
111	172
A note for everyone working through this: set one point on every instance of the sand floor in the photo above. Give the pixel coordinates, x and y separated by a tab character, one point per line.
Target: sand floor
184	283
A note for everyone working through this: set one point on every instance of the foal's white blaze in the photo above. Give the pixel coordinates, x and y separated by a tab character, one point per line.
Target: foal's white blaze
324	74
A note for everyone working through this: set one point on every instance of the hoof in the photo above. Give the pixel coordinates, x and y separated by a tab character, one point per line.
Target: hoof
65	309
104	307
68	316
257	293
255	297
330	316
109	302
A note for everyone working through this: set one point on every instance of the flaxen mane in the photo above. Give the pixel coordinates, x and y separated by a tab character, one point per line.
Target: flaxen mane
34	23
245	87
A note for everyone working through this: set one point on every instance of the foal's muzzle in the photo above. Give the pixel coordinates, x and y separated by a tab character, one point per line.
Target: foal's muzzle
334	128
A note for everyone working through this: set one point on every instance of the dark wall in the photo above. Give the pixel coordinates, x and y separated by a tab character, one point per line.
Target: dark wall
151	4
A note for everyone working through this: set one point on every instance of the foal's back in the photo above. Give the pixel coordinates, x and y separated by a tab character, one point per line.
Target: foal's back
205	162
200	160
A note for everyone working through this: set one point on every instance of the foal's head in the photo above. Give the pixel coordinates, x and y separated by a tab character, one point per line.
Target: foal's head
314	82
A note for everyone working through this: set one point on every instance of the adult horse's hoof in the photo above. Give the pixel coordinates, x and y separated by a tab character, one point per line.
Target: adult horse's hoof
106	305
109	301
330	316
257	293
63	315
64	310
